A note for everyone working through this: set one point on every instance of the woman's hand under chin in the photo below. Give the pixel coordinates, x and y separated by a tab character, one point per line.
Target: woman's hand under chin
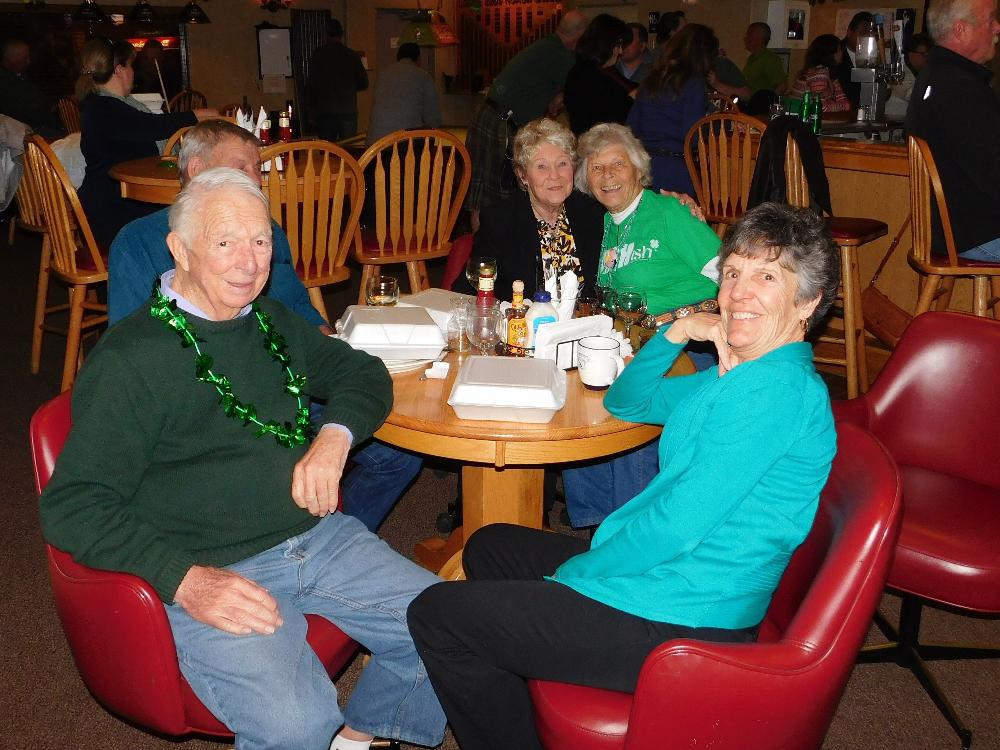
705	327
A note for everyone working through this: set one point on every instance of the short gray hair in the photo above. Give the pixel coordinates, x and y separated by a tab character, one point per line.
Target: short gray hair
202	139
944	14
798	239
538	133
185	217
602	136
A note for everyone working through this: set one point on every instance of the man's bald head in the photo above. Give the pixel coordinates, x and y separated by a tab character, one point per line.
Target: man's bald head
571	27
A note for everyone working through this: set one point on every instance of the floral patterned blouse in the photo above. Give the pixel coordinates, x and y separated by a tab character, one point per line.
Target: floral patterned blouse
558	249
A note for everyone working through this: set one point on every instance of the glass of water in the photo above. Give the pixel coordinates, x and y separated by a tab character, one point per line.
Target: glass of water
382	291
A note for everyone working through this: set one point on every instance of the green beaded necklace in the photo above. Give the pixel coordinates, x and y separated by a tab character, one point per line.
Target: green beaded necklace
287	434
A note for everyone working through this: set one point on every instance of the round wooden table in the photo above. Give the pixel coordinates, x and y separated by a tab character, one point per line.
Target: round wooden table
151	179
503	462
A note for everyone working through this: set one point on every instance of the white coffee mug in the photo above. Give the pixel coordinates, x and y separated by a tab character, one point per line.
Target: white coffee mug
599	362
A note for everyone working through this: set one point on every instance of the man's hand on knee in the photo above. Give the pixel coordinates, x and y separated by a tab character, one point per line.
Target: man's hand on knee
227	601
316	477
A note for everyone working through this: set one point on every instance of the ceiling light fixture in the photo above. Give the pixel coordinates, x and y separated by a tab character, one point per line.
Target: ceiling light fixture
89	12
142	12
274	5
192	13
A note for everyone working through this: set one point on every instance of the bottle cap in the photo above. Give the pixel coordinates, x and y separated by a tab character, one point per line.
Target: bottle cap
518	287
542	296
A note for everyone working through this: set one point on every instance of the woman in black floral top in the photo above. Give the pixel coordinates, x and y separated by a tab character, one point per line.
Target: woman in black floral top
548	228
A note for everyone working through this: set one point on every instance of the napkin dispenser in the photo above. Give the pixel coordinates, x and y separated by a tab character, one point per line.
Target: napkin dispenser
558	341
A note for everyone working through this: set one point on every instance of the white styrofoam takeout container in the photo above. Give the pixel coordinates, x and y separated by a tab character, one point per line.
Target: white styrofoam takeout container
391	332
437	302
508	389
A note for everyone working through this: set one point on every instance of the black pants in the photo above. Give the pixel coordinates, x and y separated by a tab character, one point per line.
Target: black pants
480	638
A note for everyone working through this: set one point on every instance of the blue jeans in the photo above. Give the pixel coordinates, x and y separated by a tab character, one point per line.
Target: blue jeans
594	491
382	474
272	690
989	252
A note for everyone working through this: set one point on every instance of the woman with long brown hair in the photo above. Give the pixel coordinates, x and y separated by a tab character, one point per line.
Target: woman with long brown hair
115	127
823	58
671	99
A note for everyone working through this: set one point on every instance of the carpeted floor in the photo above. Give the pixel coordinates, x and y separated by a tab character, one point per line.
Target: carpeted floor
44	706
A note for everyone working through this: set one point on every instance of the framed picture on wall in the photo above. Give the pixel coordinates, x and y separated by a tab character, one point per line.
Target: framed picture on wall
789	22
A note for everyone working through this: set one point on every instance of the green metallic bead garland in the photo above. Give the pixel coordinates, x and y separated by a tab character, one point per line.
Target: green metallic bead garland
287	434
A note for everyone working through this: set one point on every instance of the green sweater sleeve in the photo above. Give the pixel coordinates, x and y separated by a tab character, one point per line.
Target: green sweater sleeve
745	433
642	393
85	507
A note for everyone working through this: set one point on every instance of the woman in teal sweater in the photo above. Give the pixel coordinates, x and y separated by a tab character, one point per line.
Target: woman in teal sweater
746	449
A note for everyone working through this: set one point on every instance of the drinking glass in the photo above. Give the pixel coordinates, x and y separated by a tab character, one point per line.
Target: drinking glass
896	70
607	301
474	265
631	307
586	303
382	291
458	319
484	328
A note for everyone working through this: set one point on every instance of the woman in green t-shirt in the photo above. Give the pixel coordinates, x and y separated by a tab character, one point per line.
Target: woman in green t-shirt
651	241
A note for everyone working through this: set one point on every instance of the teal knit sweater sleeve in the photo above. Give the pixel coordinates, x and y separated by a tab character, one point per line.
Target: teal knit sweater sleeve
642	393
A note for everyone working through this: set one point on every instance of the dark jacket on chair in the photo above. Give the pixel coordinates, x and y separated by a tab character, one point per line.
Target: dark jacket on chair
769	175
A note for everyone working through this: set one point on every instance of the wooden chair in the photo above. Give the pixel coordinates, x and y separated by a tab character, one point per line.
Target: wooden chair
73	256
29	208
31	217
942	270
718	151
69	114
187	100
173	143
420	179
316	197
850	233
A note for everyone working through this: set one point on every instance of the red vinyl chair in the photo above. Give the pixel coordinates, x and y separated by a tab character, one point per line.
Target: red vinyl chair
935	407
782	691
117	628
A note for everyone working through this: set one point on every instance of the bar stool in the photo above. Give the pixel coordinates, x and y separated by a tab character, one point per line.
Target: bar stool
942	270
850	233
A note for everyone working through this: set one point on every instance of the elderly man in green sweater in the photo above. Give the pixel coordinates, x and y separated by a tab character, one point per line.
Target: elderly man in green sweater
191	464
